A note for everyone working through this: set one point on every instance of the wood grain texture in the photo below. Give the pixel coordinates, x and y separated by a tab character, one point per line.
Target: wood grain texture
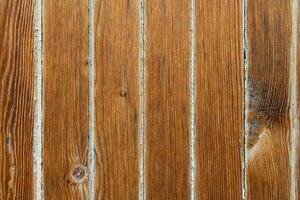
268	136
167	99
16	99
66	99
117	99
219	99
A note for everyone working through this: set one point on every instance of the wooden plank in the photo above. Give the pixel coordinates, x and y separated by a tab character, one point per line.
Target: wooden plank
66	99
117	99
268	132
219	99
16	99
167	101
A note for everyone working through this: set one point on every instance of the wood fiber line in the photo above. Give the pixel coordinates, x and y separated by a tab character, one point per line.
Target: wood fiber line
219	99
117	99
167	99
16	99
268	132
66	99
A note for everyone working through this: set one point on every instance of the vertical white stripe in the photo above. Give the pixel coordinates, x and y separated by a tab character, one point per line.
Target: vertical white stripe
142	90
91	102
192	91
246	97
38	97
293	100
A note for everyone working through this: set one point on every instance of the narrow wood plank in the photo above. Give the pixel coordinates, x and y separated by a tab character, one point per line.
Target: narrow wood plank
117	99
167	103
66	99
219	99
268	132
16	99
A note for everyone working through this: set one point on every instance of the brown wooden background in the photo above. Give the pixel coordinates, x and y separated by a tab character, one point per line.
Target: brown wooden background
149	99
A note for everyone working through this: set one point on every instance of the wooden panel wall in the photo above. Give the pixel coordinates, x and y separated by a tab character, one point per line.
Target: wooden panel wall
16	99
219	99
117	99
228	118
167	102
66	97
268	136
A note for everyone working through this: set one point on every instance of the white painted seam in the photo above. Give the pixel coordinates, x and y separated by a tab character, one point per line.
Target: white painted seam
192	100
294	126
38	98
142	91
91	102
246	98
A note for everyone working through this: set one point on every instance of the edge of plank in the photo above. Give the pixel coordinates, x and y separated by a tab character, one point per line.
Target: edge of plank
38	97
246	95
142	90
192	88
293	100
91	101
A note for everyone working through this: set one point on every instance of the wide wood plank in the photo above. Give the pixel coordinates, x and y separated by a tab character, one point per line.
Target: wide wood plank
219	113
268	124
16	99
117	99
66	99
167	102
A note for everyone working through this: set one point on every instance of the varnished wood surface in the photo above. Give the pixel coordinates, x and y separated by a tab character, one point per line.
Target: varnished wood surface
66	99
223	113
16	99
268	137
167	99
219	99
117	99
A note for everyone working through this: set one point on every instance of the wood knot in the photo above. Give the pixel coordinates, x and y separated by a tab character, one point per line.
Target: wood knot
123	93
78	174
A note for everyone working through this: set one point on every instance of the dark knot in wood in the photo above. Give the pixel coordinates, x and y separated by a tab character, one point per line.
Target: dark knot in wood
78	174
123	93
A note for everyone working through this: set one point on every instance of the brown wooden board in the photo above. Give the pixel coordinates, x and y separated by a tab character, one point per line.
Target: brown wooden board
117	99
16	99
66	99
268	134
167	99
219	109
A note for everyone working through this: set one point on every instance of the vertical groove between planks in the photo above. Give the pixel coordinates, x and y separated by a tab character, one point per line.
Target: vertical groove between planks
142	88
192	88
293	100
38	113
91	102
246	100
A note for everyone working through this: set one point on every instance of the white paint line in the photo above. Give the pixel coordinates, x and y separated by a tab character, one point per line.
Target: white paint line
38	97
192	91
91	102
293	101
246	97
142	90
